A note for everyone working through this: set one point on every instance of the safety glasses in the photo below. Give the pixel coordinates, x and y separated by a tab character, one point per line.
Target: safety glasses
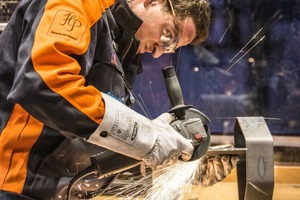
169	40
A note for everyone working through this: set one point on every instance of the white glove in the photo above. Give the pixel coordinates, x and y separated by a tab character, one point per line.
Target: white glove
126	132
213	169
169	144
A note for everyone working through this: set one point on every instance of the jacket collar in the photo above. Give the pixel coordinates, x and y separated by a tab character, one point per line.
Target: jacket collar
125	17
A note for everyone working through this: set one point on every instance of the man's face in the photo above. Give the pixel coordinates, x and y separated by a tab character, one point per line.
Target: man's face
160	33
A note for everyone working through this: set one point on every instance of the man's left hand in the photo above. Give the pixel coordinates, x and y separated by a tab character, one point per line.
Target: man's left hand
213	169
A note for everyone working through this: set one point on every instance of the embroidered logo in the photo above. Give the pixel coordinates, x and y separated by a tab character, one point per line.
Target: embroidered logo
68	25
70	21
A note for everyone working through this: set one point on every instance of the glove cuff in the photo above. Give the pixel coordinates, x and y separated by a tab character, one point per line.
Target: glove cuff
123	130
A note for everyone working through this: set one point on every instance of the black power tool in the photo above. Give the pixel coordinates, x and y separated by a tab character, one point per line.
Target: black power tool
190	123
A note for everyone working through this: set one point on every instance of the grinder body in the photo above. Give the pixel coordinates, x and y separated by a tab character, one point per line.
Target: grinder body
190	123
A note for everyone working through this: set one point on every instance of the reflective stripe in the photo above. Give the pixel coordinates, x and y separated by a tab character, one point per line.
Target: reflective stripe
16	140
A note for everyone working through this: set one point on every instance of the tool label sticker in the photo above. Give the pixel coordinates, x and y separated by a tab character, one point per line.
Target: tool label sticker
125	128
68	25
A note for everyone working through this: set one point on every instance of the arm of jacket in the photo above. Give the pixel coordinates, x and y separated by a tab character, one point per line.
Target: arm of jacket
48	82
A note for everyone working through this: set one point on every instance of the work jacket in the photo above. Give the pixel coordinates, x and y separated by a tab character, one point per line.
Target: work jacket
55	58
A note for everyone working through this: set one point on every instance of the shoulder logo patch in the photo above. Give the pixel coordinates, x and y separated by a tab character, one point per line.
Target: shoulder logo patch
68	25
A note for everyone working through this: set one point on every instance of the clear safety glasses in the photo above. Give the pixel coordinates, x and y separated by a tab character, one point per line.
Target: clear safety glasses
169	40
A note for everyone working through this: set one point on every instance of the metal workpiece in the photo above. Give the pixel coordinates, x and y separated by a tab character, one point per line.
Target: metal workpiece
226	151
255	169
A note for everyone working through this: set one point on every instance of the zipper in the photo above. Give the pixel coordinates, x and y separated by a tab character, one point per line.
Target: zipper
129	90
131	41
126	84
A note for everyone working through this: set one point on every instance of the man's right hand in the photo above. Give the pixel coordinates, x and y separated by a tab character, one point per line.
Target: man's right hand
169	145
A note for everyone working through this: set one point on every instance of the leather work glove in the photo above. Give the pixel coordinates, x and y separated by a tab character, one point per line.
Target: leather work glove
127	132
213	169
169	144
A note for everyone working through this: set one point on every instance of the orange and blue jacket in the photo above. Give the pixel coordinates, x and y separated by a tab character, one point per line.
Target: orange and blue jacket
55	58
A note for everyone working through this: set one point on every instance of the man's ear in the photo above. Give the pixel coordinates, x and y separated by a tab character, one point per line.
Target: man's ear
151	2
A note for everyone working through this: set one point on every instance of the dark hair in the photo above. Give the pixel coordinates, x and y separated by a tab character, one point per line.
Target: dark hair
200	12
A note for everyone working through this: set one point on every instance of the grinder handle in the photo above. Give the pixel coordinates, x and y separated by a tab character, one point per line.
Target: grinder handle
172	85
174	92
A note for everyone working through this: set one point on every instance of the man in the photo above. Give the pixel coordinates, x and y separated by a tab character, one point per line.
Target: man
67	68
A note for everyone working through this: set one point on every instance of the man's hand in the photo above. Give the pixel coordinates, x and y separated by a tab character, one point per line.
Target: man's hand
169	146
213	169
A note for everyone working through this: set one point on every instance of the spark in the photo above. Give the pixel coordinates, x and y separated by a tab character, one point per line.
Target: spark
246	53
242	49
128	186
174	181
224	33
140	102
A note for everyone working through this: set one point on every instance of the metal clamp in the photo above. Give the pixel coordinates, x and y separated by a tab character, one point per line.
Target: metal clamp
255	169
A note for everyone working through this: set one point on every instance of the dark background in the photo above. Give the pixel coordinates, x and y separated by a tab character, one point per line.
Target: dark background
249	66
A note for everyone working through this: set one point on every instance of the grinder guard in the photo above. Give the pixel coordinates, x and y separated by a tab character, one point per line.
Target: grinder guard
194	128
